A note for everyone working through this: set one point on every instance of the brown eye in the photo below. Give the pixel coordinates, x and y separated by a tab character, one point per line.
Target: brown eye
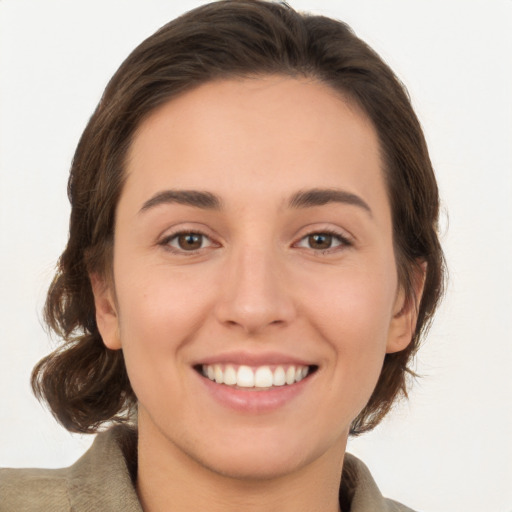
323	241
320	241
188	242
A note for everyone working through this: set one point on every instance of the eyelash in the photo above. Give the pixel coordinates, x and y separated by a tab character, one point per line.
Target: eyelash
344	242
166	242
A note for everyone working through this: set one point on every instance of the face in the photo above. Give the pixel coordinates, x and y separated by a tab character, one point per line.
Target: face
254	292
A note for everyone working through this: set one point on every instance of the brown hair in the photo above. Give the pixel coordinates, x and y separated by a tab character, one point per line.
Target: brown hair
86	384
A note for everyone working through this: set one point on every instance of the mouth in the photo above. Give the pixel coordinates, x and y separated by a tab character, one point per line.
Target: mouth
256	378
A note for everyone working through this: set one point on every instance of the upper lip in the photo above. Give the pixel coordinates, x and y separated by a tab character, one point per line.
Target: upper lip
253	359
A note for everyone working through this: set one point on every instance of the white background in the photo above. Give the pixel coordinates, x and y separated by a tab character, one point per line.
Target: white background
449	448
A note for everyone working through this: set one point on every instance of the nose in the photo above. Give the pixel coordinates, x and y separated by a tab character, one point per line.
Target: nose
254	295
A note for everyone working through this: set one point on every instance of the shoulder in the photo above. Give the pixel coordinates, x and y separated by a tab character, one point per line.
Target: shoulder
100	480
33	490
394	506
360	490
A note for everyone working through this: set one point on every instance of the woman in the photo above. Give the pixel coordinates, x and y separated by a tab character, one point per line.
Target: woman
251	263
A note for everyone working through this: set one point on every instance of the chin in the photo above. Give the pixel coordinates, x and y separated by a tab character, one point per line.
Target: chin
264	455
255	465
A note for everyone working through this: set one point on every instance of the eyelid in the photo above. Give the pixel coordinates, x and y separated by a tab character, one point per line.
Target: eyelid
345	240
166	238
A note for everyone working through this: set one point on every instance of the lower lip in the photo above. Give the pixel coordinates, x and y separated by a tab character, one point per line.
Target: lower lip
251	400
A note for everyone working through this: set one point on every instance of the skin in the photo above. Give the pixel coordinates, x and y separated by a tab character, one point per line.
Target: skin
257	284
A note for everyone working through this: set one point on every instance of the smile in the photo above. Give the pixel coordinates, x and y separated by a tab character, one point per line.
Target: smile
261	377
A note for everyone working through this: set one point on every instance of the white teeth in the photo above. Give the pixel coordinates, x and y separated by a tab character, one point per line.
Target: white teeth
230	376
245	377
260	377
279	377
290	375
218	374
263	377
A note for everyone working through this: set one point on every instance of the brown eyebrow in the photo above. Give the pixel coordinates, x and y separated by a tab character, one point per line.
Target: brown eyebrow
321	196
302	199
196	198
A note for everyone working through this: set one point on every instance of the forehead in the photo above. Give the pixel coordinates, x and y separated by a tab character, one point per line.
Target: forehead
262	135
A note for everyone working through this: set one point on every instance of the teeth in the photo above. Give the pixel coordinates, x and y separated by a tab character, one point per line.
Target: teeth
263	377
230	377
245	377
279	377
260	377
218	375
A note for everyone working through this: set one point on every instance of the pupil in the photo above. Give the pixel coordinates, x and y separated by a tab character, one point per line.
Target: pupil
190	241
320	241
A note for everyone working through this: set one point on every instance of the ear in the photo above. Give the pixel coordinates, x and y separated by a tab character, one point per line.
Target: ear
405	312
106	311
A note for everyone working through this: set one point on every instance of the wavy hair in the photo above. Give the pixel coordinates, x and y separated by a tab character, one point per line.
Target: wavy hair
84	383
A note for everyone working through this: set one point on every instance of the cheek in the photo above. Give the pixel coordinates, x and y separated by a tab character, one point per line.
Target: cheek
159	311
154	299
353	306
352	313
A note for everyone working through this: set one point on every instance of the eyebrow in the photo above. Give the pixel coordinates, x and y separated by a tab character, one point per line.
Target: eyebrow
320	196
302	199
196	198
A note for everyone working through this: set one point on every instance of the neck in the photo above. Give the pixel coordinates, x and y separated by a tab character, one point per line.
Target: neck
168	478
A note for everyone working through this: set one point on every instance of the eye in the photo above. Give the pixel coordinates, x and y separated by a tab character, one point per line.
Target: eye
322	241
187	241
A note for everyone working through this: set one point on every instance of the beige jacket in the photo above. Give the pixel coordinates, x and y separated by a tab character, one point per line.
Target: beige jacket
102	481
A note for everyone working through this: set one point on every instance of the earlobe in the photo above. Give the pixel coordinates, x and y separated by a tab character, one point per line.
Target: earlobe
405	314
106	311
